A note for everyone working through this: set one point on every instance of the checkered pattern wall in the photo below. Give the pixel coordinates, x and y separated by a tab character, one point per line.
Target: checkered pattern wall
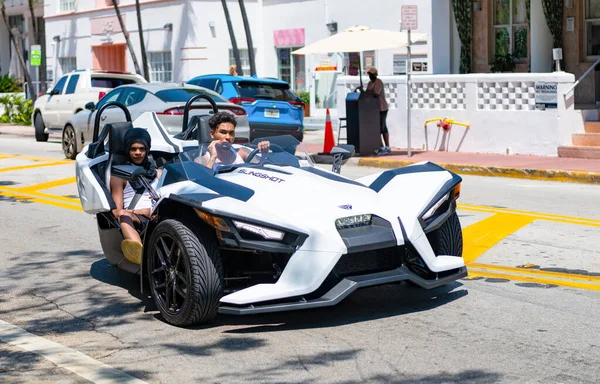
391	92
506	96
440	95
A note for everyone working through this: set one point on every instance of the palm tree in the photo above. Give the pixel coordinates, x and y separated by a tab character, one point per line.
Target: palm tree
248	38
126	34
142	44
16	42
236	51
37	37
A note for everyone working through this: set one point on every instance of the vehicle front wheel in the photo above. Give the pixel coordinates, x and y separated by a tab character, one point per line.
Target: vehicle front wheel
69	142
185	272
38	124
447	239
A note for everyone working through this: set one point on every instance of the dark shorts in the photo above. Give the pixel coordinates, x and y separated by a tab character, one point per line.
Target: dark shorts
382	122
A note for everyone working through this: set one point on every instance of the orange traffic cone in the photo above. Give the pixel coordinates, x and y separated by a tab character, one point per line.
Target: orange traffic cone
329	141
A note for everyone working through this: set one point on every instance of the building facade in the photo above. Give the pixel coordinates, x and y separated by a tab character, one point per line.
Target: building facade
186	38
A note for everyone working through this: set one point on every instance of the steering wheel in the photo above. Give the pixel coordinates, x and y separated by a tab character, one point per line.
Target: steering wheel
274	147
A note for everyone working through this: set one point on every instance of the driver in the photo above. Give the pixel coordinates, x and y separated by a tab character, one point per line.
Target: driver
220	150
133	201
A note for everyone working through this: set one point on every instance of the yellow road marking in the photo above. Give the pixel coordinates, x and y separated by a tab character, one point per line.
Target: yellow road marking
29	197
48	185
33	158
18	191
529	279
481	236
38	165
537	215
536	272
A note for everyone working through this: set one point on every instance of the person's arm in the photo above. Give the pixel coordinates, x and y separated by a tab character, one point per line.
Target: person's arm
263	147
378	87
116	190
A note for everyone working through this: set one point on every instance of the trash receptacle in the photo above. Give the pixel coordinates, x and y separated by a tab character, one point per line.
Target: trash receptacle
362	122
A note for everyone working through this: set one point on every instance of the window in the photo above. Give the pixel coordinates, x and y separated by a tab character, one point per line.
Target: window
182	95
511	30
244	58
160	66
60	85
110	82
67	5
212	84
72	84
265	91
592	28
68	64
132	96
112	96
292	68
17	21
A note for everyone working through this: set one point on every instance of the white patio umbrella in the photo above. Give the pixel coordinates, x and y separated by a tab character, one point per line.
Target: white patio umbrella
359	39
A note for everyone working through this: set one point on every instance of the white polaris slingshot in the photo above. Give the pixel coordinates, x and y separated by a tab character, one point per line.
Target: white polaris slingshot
275	233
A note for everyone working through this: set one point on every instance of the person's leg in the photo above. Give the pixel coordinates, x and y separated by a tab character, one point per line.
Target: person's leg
128	221
131	246
384	129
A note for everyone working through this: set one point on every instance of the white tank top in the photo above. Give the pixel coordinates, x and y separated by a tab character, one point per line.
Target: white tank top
144	202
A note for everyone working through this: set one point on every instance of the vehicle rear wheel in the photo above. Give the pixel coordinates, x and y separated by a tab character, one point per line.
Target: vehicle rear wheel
69	142
38	124
185	272
447	239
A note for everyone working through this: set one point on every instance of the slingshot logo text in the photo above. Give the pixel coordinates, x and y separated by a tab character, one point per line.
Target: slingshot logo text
262	175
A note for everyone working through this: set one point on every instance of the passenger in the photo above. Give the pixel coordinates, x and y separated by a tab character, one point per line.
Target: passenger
133	201
233	70
220	150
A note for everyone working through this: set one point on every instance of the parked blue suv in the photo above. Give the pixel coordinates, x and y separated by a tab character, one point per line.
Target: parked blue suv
272	108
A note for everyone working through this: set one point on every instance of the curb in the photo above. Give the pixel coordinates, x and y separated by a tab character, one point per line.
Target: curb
479	170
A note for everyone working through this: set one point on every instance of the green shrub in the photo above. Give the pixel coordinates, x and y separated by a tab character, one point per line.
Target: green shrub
305	97
9	84
17	110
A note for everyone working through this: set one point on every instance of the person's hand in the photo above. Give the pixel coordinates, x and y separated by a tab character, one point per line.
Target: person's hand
264	146
212	148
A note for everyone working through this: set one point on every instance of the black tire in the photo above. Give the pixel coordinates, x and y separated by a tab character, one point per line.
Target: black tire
38	124
198	268
69	142
447	239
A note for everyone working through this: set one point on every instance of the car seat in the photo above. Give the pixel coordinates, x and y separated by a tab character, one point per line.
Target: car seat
117	153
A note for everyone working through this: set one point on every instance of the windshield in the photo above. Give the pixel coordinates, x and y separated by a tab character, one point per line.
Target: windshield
282	151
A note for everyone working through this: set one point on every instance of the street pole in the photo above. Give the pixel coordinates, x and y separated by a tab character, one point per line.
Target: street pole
408	95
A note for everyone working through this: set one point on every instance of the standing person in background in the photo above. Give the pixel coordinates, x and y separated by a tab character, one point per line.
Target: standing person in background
233	70
376	88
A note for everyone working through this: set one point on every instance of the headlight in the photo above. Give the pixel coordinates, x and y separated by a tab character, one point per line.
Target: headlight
435	207
266	233
214	221
353	221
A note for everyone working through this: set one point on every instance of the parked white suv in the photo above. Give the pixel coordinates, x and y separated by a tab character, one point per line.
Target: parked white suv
70	95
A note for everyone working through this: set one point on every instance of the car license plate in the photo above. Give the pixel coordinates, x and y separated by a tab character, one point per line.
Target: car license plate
274	113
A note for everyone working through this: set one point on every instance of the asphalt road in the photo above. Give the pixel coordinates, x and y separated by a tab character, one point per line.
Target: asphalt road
526	314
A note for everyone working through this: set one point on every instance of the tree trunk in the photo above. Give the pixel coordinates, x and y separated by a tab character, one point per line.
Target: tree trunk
234	47
248	38
43	67
126	34
16	41
142	44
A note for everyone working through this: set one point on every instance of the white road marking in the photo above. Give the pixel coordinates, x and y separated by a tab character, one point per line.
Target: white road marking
67	358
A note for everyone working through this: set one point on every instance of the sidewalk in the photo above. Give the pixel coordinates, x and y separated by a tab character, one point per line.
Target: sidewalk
20	130
515	166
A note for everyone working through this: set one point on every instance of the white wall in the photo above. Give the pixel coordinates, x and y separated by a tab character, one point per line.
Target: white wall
441	37
524	131
190	29
541	50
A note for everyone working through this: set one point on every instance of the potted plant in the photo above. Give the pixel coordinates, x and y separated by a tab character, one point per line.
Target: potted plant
305	97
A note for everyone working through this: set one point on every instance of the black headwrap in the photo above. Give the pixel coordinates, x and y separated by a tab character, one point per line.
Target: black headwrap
140	135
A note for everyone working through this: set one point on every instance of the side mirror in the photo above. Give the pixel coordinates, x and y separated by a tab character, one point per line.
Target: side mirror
90	106
127	172
340	154
347	151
